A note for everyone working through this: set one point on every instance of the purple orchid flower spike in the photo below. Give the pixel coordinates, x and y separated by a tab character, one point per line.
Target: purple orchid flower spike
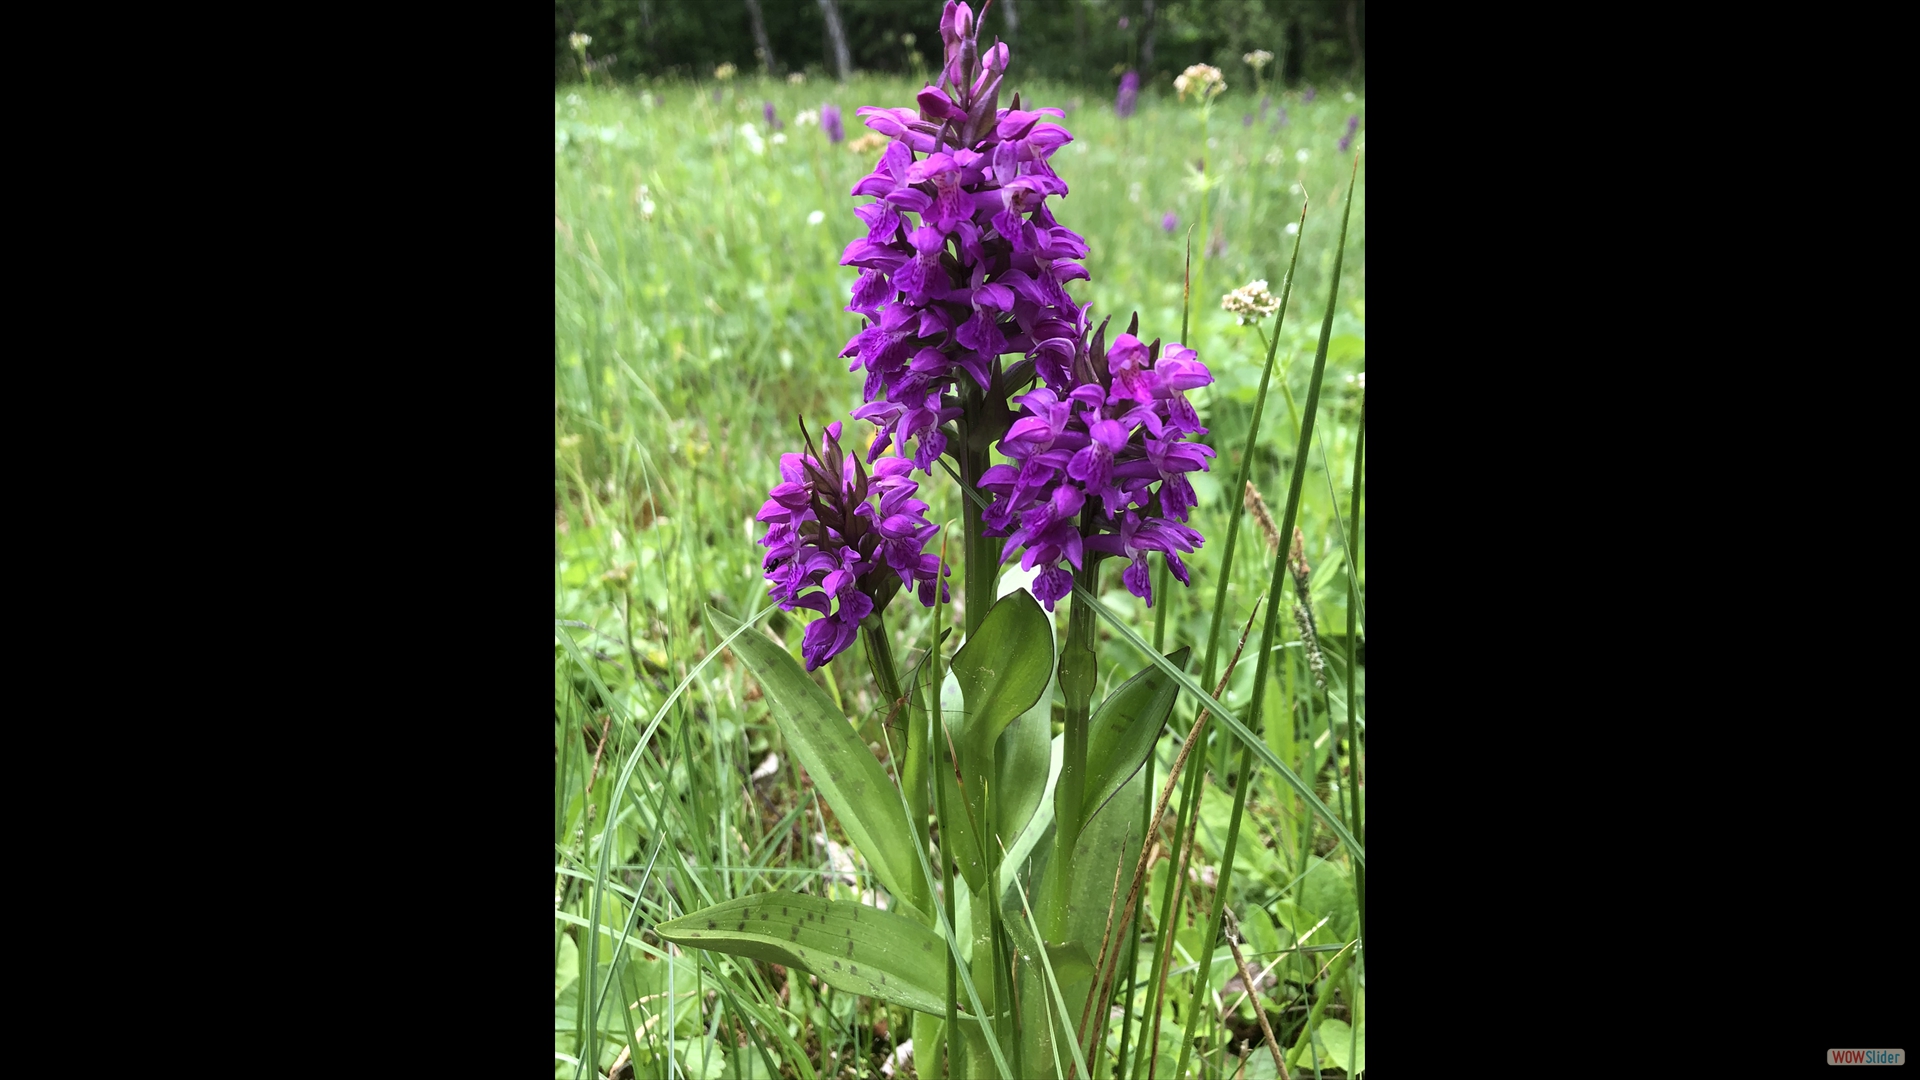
1353	125
830	550
1129	96
1112	435
831	124
962	258
1170	222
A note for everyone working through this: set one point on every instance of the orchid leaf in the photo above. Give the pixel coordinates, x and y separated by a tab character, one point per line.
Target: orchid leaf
849	946
844	771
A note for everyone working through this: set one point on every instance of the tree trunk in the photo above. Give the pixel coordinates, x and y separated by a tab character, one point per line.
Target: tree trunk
1146	39
1011	17
1080	27
1353	40
836	38
761	45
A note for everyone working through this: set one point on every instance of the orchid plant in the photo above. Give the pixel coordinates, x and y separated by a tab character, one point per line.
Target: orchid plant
972	346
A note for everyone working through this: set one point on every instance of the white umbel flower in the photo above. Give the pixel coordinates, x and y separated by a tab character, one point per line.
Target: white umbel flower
1250	302
1202	80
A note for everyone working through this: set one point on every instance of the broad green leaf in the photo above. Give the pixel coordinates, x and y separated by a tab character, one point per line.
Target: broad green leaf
1225	717
1002	670
1327	890
1108	842
1070	962
700	1059
1124	729
850	946
567	968
844	771
965	842
1021	778
1035	838
1336	1039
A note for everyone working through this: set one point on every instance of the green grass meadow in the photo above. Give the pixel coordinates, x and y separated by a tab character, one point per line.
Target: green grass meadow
697	317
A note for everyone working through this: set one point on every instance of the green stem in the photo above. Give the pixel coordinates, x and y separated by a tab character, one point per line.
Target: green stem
1149	1057
1236	498
1201	977
951	1031
1139	913
913	761
1353	679
981	551
1077	664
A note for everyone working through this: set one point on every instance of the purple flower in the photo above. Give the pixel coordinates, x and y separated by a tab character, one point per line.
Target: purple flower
1280	117
830	123
830	550
774	123
1353	125
1170	222
962	260
1123	22
1246	121
1264	103
1107	432
1308	96
1129	95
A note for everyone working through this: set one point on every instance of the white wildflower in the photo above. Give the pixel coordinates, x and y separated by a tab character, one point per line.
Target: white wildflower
807	118
646	98
725	72
778	138
798	78
579	42
751	137
1250	302
1258	59
1301	155
1348	96
1202	80
1293	228
816	217
573	99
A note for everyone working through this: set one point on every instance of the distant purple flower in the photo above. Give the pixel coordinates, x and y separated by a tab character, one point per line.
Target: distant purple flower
1102	433
1246	121
830	123
1308	96
1280	117
830	550
774	122
1170	222
1265	102
1129	95
1123	22
1353	125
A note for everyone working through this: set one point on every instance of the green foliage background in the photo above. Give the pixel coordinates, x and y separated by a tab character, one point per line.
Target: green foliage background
1083	40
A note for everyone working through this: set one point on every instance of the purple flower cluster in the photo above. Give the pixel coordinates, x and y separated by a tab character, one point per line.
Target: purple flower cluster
982	270
830	123
1110	425
1129	95
774	123
1353	125
831	550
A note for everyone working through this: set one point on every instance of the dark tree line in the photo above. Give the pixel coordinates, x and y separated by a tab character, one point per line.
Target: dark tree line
1081	41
